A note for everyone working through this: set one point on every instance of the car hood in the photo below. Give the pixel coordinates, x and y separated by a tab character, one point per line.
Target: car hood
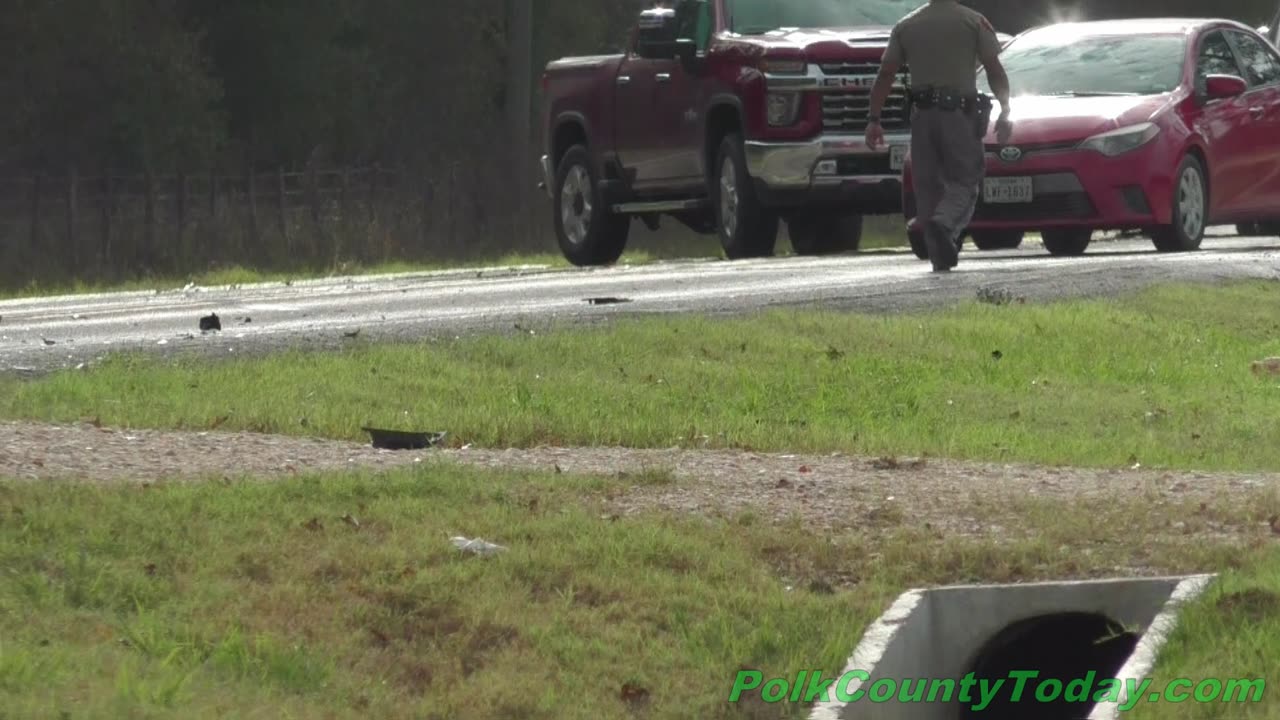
1046	120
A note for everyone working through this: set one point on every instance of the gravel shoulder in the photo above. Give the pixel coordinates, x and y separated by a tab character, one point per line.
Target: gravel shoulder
832	492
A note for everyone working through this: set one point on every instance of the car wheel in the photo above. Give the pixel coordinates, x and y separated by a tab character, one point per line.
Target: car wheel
1190	210
1067	241
746	229
589	233
997	239
825	234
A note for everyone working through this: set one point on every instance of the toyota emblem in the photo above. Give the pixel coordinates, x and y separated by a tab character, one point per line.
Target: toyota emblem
1010	154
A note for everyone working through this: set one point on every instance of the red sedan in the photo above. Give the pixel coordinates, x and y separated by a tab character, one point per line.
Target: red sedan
1163	126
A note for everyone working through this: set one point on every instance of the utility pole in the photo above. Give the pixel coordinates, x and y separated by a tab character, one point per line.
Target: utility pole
520	110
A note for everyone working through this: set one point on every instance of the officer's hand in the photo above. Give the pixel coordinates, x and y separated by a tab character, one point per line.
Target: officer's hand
1004	128
875	136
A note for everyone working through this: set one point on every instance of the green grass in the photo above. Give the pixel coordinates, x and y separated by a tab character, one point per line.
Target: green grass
1161	379
1230	634
239	599
881	233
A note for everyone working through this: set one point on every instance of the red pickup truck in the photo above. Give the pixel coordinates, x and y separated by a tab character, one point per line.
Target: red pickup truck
727	116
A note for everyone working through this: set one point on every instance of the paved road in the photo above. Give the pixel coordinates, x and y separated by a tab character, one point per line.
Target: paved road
38	335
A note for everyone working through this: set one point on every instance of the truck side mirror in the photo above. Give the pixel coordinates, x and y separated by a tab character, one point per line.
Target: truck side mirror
656	34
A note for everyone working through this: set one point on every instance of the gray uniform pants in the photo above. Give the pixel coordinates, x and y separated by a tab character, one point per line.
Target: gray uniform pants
947	167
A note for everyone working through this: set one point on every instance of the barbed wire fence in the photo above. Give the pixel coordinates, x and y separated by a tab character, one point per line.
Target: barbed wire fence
108	226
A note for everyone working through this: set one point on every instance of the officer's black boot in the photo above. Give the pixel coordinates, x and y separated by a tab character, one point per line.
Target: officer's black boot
943	253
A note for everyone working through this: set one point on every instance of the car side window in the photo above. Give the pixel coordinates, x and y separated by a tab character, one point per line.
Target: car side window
1260	63
1216	57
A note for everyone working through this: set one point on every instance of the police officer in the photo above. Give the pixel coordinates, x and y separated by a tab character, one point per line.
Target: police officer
943	43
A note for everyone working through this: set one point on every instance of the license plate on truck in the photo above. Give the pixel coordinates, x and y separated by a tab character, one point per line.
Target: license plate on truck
897	156
1007	190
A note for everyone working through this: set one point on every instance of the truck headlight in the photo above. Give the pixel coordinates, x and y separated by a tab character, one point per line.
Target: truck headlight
1122	140
782	108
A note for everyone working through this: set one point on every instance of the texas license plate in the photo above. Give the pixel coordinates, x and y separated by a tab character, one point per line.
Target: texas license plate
1007	190
897	156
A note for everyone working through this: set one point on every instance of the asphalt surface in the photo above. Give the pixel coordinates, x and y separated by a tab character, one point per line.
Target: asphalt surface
44	334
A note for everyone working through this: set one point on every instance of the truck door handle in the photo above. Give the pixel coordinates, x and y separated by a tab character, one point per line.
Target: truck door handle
624	79
662	77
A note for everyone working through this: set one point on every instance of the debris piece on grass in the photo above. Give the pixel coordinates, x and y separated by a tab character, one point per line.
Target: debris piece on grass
1269	366
403	439
476	546
353	334
351	520
892	463
210	323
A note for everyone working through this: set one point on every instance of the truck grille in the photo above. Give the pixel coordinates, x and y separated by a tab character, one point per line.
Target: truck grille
846	111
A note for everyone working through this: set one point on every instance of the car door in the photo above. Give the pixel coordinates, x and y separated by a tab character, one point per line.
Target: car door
1224	125
635	92
678	100
1261	67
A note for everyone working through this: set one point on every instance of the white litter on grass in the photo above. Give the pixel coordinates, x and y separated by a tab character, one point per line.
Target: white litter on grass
477	546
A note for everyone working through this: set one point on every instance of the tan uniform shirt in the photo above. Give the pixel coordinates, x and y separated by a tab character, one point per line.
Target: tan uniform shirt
942	43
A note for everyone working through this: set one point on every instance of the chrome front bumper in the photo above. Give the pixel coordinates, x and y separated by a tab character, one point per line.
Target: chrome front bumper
795	165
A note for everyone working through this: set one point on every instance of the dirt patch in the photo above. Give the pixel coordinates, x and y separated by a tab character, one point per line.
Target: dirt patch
834	492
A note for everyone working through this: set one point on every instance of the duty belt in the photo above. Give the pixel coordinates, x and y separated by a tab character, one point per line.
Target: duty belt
945	99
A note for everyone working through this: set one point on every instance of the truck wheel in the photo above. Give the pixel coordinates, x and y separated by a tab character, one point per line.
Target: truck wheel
589	232
825	234
746	229
997	239
1067	241
1190	211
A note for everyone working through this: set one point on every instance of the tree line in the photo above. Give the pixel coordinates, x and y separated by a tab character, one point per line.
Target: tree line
93	88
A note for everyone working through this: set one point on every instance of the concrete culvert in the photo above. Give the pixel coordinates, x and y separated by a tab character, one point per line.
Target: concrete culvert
1059	646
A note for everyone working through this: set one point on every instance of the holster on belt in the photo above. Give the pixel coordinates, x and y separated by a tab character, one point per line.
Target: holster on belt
982	116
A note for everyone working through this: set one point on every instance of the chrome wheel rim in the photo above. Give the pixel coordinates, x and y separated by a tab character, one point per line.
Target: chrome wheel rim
728	198
575	204
1191	203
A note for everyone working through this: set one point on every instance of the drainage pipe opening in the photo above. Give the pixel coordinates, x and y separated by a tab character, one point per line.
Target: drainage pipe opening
1062	647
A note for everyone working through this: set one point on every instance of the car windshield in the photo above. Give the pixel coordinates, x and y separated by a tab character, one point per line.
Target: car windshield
755	17
1054	62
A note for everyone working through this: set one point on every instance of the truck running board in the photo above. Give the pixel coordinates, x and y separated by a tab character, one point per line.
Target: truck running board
637	208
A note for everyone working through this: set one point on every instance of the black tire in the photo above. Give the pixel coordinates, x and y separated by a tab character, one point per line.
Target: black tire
606	232
748	230
997	239
1189	221
1067	241
824	234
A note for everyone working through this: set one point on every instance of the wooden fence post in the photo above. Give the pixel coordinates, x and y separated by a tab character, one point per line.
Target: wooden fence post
73	241
108	202
149	220
35	212
313	203
251	187
282	215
